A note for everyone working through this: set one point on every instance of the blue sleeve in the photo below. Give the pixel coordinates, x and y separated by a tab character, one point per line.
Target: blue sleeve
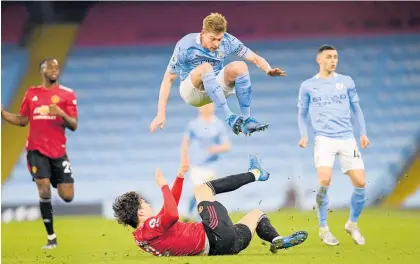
352	92
189	131
177	59
358	113
223	133
234	45
303	100
303	121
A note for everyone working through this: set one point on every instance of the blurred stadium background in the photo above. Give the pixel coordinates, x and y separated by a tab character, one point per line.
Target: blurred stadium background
114	54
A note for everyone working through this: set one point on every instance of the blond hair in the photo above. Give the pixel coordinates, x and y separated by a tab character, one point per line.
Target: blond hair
215	23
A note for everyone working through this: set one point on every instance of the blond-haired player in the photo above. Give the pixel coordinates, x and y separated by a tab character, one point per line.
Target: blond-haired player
199	60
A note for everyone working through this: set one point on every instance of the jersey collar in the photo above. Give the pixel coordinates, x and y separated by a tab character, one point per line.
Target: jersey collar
317	75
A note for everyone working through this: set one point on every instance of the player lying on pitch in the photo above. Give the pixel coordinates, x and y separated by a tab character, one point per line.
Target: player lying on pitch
199	60
163	234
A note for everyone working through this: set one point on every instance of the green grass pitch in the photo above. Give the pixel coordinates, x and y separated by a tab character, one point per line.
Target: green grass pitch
391	237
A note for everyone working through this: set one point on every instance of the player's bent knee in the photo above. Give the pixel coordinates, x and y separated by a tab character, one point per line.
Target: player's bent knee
205	67
257	213
237	67
67	199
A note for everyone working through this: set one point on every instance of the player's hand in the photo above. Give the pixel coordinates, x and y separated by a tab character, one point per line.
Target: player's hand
160	179
158	121
364	141
55	110
303	142
276	72
184	166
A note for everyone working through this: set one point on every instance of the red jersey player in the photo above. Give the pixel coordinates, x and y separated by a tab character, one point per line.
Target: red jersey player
49	109
163	234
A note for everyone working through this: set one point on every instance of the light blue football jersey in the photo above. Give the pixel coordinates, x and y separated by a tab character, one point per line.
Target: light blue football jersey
329	101
189	53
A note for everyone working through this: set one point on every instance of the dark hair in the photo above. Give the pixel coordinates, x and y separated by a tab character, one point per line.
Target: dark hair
45	60
326	47
125	209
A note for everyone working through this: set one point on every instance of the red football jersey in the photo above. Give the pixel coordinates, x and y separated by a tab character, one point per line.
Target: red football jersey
181	239
47	132
164	235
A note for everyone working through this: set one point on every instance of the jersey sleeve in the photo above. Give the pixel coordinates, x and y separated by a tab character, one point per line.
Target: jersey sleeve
236	46
303	100
24	107
177	60
352	92
189	131
71	105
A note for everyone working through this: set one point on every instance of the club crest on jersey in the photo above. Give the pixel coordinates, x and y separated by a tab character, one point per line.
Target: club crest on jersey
219	54
339	86
200	209
55	99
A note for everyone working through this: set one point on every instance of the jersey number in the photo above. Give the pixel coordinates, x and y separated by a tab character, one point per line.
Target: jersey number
154	223
356	154
66	166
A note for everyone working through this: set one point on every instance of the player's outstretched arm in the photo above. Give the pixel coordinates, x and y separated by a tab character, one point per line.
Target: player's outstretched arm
261	63
165	90
169	214
17	120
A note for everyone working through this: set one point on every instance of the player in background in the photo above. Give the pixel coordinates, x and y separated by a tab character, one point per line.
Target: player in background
204	140
330	98
163	235
49	109
199	60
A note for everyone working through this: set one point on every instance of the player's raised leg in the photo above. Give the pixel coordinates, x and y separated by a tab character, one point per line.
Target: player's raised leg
207	191
236	74
204	76
258	221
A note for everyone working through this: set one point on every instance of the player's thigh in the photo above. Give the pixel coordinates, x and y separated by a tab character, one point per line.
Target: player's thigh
62	175
40	169
204	192
251	219
351	158
200	175
225	82
193	95
324	157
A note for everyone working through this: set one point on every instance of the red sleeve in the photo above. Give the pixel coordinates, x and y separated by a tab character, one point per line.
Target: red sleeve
24	107
71	105
169	214
176	191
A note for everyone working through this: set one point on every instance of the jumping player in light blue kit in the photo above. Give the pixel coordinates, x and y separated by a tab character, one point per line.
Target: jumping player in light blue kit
198	58
329	98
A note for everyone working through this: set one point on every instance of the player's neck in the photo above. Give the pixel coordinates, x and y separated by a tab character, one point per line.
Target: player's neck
325	74
49	85
207	118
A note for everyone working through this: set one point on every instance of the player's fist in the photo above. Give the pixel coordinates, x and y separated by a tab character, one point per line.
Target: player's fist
158	121
276	72
160	179
364	141
303	142
55	110
184	166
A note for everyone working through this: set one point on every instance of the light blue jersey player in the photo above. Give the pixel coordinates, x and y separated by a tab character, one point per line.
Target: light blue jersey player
205	140
199	60
329	98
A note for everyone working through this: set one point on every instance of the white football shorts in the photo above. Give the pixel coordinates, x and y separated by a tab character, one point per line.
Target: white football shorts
195	97
326	149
